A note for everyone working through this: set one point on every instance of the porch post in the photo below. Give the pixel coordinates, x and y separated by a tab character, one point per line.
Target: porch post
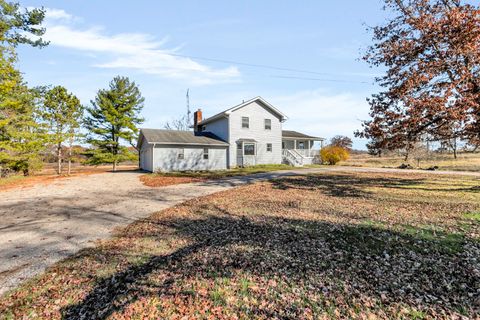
295	144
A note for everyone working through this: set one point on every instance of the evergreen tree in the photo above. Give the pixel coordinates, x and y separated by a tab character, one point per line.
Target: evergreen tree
113	118
21	134
63	113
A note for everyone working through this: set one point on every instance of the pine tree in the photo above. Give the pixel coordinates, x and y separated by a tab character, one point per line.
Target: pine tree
63	114
21	135
113	119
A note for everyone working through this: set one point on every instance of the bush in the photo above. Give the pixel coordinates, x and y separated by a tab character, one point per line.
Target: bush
332	155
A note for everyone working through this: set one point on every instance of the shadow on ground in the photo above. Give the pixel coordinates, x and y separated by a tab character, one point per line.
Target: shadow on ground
323	262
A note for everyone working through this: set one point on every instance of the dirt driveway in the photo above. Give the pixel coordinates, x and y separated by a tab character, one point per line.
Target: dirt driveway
45	223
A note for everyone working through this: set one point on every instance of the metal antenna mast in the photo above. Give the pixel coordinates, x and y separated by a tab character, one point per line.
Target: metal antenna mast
188	107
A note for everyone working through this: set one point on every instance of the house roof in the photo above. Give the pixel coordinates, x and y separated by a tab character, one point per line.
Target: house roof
227	112
299	135
160	136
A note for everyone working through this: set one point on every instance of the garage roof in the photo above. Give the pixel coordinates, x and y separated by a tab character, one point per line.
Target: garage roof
159	136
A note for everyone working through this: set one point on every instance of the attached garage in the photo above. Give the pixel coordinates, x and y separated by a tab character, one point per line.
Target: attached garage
171	150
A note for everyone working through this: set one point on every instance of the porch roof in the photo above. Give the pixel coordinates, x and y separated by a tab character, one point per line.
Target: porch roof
290	134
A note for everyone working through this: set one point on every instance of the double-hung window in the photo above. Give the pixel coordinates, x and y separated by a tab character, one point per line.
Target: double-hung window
268	124
269	147
245	122
205	153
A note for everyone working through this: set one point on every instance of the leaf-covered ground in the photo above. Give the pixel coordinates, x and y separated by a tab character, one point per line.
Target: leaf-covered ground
333	245
163	179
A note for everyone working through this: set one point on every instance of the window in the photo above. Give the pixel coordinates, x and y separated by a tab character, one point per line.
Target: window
205	153
245	122
269	147
181	154
249	149
301	145
268	124
203	128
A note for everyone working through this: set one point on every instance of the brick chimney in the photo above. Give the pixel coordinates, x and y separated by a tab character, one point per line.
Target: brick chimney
197	118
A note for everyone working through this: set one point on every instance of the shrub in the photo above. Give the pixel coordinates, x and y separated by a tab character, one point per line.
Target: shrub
332	154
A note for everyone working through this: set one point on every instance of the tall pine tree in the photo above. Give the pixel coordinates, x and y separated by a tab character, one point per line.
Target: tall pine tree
113	119
21	134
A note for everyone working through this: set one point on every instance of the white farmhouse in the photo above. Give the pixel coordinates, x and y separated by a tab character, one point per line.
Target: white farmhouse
245	135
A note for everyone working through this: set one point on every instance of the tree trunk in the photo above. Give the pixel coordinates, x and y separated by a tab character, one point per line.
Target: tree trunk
114	165
59	158
455	148
70	157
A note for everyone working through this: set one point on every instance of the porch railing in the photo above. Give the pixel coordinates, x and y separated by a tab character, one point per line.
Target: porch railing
306	152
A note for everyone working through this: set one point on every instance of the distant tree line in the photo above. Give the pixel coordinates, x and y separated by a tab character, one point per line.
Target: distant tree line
35	119
431	88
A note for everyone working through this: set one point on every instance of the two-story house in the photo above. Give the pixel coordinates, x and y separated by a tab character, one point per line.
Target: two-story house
244	135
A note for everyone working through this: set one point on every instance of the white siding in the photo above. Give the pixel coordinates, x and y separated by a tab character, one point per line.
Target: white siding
146	157
166	158
219	128
256	113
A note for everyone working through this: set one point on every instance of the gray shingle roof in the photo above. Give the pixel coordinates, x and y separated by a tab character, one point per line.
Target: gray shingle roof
160	136
296	134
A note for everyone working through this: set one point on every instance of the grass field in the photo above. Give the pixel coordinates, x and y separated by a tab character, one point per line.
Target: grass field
334	245
464	162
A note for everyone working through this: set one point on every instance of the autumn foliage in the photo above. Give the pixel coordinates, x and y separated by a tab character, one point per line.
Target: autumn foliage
431	50
333	154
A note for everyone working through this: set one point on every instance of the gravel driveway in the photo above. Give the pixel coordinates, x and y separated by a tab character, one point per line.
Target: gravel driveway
45	223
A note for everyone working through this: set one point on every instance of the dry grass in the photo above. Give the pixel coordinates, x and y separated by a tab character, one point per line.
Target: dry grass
357	245
170	178
158	180
464	162
48	175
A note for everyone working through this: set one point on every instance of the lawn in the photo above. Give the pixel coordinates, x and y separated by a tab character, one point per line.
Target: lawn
464	161
334	245
162	179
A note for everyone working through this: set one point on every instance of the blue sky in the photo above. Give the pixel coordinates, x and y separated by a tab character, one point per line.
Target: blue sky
152	42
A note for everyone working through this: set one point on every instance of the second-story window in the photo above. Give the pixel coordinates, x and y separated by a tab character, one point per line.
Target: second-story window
245	122
268	124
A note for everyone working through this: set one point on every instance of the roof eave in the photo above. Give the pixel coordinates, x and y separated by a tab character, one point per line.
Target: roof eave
191	144
305	138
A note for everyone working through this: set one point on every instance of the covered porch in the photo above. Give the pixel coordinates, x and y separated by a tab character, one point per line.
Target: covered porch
297	148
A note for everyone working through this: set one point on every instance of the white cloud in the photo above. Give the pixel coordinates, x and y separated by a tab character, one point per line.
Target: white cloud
57	14
136	51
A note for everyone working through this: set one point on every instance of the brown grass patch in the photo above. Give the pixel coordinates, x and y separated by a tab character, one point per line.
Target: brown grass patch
163	181
48	175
